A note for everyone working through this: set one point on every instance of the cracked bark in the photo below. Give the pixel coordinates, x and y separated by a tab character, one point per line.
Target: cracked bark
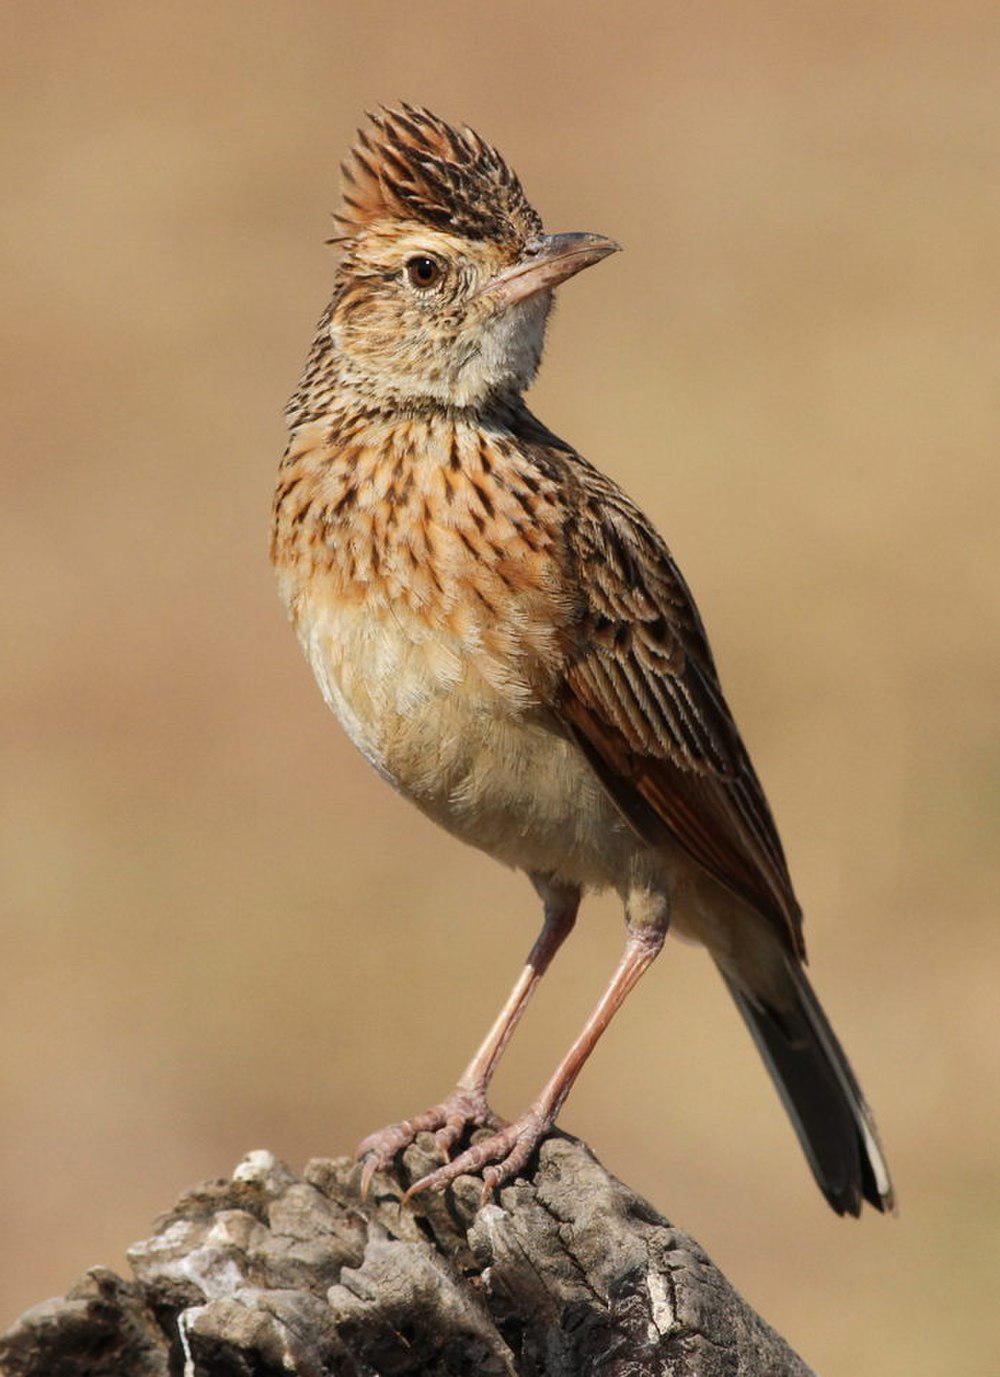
567	1274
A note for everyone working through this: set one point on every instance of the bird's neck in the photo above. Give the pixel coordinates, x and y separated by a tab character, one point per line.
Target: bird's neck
331	390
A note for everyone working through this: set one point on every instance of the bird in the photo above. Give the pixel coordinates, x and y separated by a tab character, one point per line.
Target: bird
506	638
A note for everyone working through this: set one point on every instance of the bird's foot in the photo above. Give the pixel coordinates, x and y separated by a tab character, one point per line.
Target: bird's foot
496	1159
448	1121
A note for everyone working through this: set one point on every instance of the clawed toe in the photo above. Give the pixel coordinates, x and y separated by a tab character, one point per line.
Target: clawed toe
378	1150
498	1158
448	1121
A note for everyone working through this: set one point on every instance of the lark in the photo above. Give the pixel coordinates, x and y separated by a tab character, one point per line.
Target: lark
505	637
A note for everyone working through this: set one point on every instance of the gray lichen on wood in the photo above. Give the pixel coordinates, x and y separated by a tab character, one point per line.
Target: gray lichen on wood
568	1274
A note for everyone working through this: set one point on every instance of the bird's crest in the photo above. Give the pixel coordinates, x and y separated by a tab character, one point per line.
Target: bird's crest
409	164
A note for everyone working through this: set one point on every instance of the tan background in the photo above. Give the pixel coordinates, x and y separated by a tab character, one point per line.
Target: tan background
220	930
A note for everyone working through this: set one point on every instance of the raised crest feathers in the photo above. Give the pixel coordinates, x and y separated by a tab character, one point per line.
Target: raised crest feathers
408	164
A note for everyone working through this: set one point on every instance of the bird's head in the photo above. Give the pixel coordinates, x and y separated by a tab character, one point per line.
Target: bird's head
446	279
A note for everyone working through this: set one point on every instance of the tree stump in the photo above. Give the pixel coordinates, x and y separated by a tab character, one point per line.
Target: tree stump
567	1274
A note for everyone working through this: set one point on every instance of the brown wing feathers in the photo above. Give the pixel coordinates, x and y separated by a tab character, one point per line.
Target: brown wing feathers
642	696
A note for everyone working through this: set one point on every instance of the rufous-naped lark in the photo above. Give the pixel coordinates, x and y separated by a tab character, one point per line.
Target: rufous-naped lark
506	638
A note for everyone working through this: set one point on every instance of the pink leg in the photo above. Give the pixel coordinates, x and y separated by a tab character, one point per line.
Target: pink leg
512	1146
466	1105
560	914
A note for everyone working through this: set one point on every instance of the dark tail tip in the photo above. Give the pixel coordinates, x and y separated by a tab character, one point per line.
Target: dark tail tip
821	1095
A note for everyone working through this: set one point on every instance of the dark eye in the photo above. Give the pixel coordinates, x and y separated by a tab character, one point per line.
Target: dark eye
423	271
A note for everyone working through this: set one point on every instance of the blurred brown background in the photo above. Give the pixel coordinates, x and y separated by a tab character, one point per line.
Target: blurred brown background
793	367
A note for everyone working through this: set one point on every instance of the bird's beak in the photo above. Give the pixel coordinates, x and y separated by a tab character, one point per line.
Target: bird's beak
546	262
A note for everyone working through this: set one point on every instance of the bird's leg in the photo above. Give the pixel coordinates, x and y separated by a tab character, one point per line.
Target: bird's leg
466	1105
561	904
503	1155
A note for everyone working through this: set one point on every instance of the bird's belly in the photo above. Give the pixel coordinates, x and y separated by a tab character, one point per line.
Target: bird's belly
486	762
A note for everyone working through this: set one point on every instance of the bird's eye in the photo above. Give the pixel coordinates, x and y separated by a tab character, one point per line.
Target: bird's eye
423	271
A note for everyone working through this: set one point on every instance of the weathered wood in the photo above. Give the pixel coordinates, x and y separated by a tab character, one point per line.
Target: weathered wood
567	1274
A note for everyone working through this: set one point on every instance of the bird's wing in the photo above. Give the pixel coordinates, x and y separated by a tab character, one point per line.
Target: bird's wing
641	695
